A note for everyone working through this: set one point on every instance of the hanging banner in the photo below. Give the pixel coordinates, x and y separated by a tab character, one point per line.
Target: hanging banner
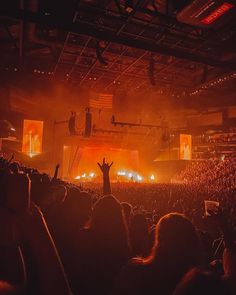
185	147
32	137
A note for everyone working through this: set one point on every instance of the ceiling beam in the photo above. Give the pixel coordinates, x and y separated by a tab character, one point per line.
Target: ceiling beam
94	31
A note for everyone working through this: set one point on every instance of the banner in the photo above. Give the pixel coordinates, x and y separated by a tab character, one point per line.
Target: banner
185	147
32	137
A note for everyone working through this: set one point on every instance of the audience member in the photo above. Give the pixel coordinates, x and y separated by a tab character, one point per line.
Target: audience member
125	240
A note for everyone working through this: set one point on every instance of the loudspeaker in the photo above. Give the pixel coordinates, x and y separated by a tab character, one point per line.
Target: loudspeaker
71	124
88	124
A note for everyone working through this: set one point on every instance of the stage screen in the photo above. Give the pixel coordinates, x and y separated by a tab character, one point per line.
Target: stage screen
185	147
32	137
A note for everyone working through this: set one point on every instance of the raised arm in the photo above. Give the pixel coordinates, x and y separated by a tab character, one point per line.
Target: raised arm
221	219
51	276
105	168
56	172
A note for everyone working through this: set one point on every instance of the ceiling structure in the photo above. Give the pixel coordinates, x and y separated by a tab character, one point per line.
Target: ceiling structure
104	45
139	46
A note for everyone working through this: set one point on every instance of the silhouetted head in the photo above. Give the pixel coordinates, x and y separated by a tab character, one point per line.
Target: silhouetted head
139	222
108	222
56	195
78	206
46	180
107	213
14	167
127	209
176	242
139	234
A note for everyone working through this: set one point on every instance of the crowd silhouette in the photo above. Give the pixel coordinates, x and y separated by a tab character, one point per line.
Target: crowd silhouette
59	238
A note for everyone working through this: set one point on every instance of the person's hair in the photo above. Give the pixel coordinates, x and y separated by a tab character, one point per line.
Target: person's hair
176	243
197	282
139	234
109	225
127	208
78	207
14	167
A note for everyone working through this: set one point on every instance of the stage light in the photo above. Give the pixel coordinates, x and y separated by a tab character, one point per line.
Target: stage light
77	177
72	123
83	175
121	173
139	178
152	177
130	175
92	174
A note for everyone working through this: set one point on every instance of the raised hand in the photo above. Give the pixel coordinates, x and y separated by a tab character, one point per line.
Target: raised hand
36	236
56	172
105	167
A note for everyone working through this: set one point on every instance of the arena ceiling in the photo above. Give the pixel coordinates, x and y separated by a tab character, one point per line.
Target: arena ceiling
104	45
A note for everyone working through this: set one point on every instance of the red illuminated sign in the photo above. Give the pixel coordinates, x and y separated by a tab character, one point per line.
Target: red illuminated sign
217	13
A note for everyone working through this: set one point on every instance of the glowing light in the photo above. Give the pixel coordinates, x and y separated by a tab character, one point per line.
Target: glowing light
83	175
217	13
92	174
77	177
139	178
152	177
121	173
32	137
130	175
185	147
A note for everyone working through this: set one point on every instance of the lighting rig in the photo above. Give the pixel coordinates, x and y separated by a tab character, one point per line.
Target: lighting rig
122	124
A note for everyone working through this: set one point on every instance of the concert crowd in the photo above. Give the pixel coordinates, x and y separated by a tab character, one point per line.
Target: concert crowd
61	238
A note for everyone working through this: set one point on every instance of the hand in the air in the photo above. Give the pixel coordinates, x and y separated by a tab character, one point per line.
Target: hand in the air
105	167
